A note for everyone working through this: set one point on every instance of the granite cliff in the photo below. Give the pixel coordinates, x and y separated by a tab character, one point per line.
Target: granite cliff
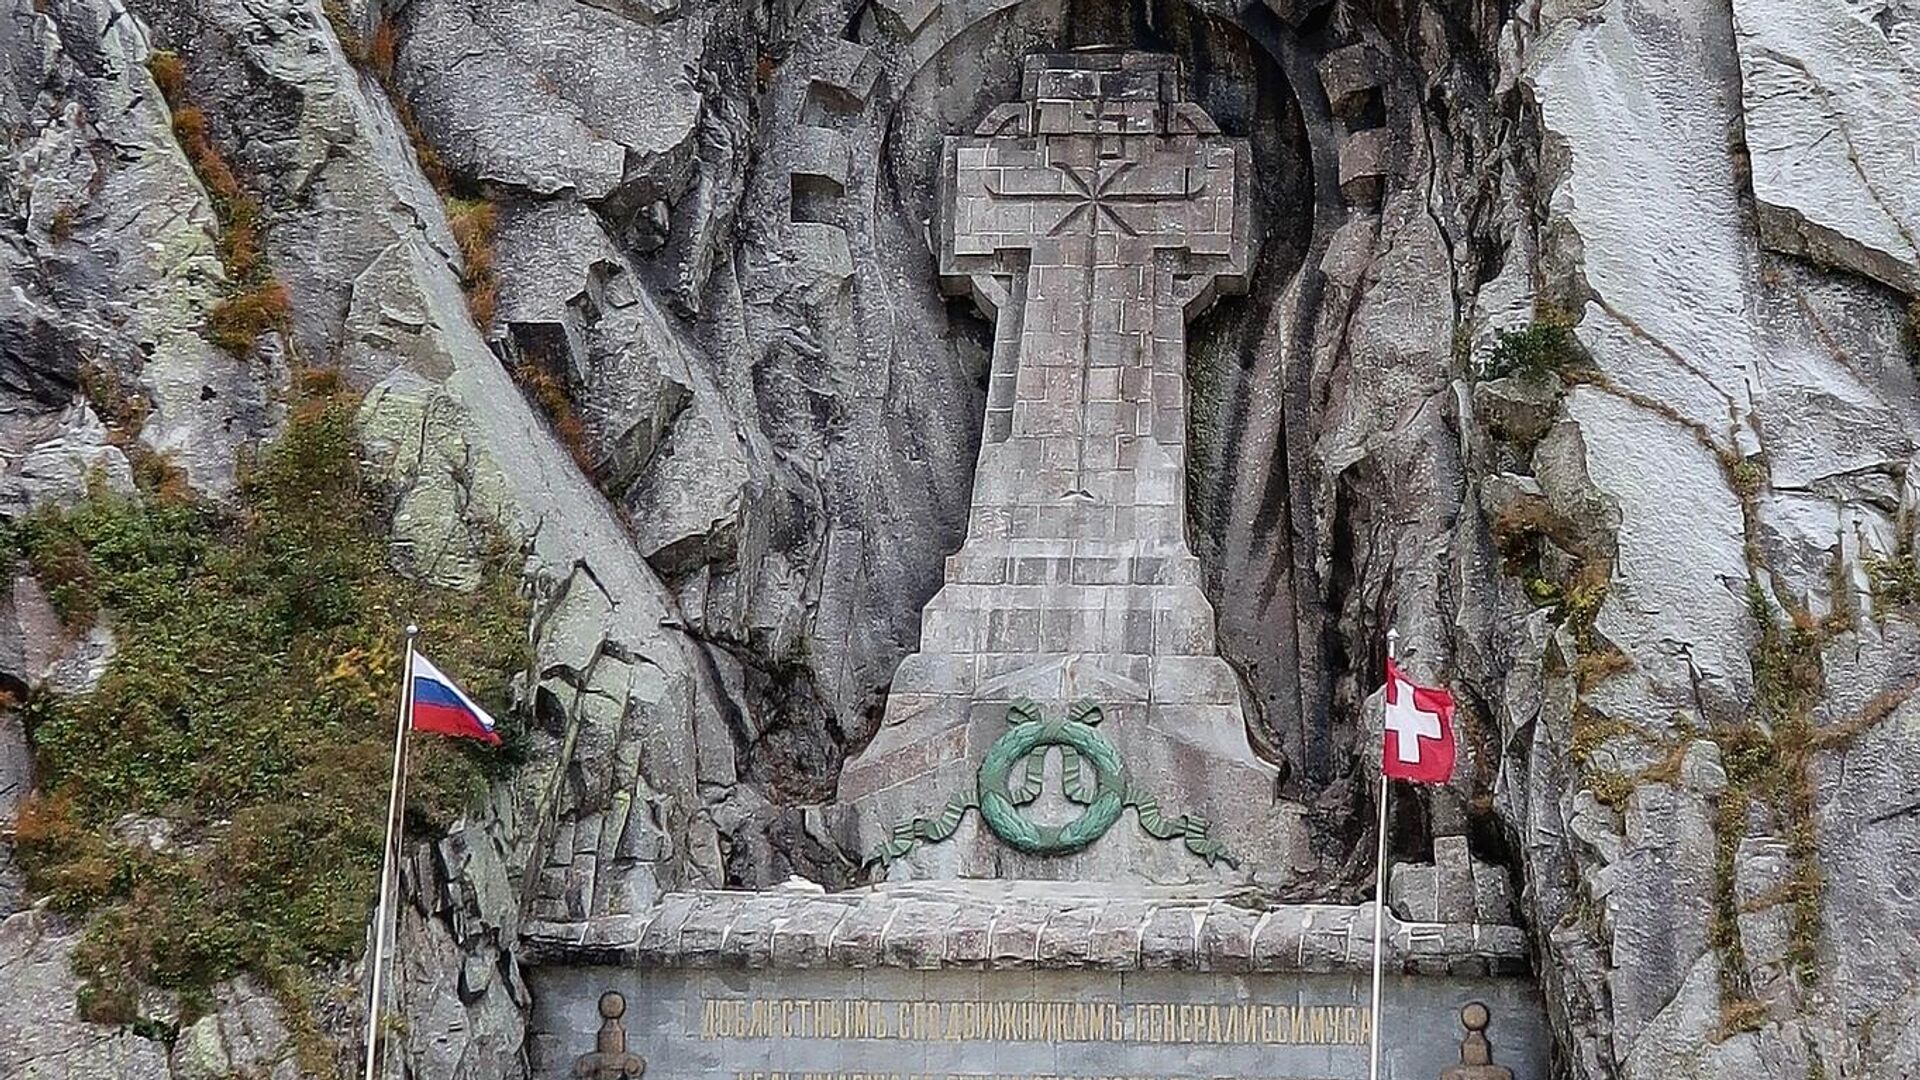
1580	347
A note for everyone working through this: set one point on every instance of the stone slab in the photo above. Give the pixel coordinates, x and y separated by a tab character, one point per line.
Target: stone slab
1019	925
788	1025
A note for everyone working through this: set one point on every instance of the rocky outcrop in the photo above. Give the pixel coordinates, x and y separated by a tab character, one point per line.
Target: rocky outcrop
46	1038
241	1032
542	95
113	267
1828	93
1736	525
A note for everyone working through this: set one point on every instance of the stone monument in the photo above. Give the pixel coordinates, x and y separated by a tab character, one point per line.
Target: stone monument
1090	221
1066	823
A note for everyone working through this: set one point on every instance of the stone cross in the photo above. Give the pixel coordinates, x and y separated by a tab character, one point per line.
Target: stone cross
1090	220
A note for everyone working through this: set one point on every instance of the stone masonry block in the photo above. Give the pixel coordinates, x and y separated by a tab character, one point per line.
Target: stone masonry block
844	67
1364	163
1350	75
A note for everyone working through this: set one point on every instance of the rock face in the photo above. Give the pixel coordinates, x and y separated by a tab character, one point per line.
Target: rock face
1572	348
1828	92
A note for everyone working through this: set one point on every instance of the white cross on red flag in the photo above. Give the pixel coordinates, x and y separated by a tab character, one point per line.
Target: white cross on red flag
1419	731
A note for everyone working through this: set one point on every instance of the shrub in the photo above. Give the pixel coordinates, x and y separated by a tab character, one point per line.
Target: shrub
250	703
241	318
170	75
474	222
1542	348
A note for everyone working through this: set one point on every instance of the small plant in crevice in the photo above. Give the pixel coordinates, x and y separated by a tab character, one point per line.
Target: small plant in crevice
255	302
540	384
1768	762
60	226
249	705
474	223
1613	789
1894	580
1542	348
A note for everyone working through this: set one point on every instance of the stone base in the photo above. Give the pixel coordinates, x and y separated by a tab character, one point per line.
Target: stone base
1176	722
1023	979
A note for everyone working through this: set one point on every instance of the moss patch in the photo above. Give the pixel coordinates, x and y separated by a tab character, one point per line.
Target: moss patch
249	706
1895	579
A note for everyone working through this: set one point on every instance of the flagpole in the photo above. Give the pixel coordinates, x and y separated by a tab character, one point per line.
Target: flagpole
1380	883
384	926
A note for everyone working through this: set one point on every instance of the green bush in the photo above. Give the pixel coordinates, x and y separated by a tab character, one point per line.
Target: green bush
1542	348
250	703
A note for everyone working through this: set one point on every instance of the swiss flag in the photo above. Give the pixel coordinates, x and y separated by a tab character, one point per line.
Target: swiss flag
1419	726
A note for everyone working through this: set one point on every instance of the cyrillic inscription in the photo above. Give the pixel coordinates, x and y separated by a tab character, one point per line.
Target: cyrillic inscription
964	1024
1035	1021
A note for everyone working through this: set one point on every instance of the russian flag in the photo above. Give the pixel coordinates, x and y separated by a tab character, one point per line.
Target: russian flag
440	707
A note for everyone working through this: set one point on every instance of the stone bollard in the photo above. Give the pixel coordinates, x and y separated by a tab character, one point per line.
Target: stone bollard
1476	1053
610	1060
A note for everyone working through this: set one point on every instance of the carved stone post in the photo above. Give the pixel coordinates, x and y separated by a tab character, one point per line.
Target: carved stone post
1476	1054
610	1060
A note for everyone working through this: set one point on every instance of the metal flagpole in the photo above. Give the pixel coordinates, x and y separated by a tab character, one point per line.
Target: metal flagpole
383	929
1380	881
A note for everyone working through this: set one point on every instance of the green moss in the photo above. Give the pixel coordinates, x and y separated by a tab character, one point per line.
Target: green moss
1894	580
250	704
1747	476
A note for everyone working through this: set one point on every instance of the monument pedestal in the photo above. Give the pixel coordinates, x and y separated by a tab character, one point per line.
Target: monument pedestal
1023	980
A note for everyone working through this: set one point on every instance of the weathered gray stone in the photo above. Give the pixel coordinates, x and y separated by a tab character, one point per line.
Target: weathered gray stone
1018	925
1516	408
244	1035
1831	95
128	284
1748	420
55	459
45	1039
600	104
1098	1023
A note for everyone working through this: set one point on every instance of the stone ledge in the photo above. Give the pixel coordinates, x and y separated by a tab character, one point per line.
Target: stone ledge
1022	926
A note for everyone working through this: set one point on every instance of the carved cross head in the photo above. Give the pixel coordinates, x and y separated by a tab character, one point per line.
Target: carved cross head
1101	165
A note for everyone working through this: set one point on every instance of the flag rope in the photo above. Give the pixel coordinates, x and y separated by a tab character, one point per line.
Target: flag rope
395	807
1380	882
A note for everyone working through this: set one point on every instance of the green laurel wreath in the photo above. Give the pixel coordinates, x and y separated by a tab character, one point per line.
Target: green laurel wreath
1028	741
1103	789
